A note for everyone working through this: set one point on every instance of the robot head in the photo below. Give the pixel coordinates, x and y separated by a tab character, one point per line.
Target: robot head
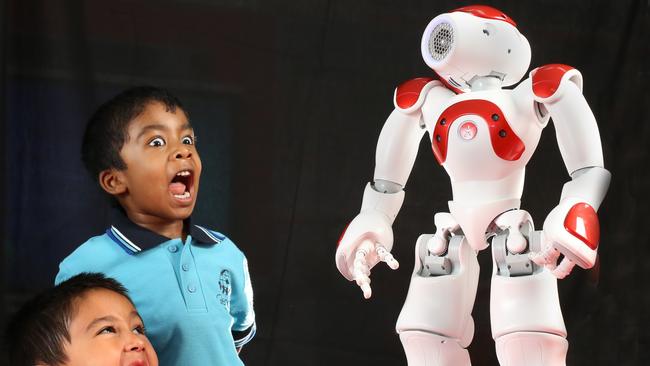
472	42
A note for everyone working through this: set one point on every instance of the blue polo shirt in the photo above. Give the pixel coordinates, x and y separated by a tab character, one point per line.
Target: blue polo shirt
195	297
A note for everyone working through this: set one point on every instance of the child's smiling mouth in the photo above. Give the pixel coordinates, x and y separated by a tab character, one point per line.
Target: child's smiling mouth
181	185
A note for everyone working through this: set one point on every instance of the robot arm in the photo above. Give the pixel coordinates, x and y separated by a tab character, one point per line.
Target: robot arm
572	227
368	238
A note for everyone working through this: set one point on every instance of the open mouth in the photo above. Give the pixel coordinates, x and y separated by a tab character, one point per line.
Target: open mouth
181	184
139	363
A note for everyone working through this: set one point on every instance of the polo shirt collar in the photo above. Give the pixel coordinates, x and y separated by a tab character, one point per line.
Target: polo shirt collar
134	238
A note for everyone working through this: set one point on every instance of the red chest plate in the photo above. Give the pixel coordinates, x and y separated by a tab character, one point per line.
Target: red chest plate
506	144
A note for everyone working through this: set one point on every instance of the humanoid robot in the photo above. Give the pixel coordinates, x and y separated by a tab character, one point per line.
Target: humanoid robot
483	136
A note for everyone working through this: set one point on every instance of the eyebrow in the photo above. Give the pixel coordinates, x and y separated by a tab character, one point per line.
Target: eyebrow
161	127
108	319
135	314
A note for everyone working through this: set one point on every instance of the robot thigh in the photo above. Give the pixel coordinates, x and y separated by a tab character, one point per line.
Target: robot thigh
442	304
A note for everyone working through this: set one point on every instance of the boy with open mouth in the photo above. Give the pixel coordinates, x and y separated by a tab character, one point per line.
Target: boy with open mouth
189	283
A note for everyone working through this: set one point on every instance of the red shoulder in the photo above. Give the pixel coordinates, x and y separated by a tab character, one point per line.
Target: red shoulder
547	79
408	93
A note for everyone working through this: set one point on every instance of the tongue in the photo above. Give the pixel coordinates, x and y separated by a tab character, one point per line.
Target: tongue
177	188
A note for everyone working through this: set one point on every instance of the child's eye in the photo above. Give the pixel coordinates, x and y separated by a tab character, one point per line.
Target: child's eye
139	330
157	142
188	140
107	330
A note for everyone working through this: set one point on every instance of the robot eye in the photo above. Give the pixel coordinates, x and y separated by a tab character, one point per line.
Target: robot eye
441	41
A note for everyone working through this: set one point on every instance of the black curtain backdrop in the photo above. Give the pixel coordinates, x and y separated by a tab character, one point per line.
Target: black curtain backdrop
288	98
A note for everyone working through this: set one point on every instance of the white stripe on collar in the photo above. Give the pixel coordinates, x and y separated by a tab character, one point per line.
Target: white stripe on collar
210	234
126	241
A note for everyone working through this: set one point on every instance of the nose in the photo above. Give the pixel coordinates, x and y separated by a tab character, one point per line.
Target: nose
182	153
134	343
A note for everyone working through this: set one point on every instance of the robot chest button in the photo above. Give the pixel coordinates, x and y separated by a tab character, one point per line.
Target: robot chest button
467	130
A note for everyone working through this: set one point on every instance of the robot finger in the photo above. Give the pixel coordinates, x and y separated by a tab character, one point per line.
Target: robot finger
563	270
385	256
361	273
537	257
360	263
547	257
363	269
363	281
552	256
367	291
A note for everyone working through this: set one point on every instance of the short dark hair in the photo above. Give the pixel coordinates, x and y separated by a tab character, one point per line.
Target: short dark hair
106	130
39	330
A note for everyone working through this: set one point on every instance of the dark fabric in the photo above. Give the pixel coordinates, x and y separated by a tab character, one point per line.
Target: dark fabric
288	98
147	239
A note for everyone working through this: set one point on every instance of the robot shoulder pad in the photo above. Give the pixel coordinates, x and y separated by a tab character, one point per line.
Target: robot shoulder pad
409	96
548	81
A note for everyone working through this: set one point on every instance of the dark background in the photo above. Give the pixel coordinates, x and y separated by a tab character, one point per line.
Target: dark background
288	98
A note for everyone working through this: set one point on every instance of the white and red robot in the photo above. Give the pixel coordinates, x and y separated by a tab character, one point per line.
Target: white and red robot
483	136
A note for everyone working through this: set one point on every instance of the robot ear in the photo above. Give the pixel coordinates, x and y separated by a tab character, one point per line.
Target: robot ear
440	41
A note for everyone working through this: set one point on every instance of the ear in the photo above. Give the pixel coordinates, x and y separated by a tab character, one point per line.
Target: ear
112	181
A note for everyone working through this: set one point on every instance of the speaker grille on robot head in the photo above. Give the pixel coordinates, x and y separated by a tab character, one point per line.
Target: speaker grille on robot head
441	41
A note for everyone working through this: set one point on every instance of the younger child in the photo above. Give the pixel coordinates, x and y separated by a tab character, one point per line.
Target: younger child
190	284
86	320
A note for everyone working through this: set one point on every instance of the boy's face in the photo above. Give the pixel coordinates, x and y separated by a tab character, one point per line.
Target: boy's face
107	331
161	180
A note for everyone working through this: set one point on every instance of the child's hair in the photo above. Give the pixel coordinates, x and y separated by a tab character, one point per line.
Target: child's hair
106	130
37	333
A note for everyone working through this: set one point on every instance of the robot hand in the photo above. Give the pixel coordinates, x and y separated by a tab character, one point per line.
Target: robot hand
366	241
571	229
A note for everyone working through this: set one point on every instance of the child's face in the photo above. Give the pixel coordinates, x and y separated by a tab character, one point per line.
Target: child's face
163	166
107	331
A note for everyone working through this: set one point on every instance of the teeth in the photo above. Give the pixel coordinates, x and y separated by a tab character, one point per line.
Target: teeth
183	196
184	173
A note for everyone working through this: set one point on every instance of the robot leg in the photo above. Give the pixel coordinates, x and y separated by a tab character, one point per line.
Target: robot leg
527	323
435	324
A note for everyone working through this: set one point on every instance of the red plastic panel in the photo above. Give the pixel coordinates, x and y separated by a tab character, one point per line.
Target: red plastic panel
546	79
488	12
409	92
582	222
506	144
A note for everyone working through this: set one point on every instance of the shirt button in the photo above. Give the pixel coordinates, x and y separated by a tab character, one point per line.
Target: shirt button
186	267
191	288
172	248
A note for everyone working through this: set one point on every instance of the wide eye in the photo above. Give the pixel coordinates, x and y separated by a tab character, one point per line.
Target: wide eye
188	140
157	142
106	330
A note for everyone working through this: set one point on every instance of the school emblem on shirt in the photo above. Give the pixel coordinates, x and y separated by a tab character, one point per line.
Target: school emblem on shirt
224	289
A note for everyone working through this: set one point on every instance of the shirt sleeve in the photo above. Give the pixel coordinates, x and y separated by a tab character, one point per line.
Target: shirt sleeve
241	308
